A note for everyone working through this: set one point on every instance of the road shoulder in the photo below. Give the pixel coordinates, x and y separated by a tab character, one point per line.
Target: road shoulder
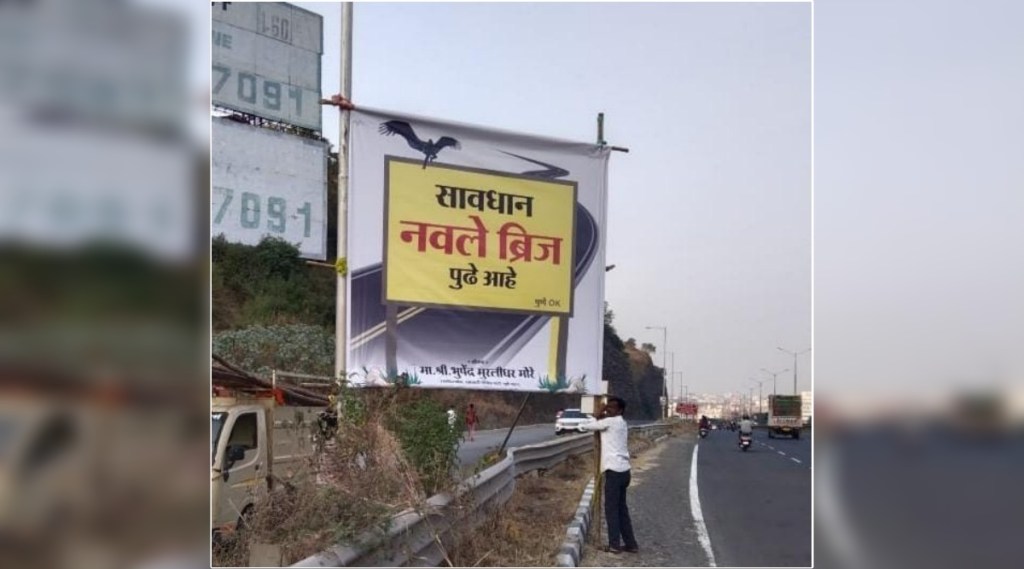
659	506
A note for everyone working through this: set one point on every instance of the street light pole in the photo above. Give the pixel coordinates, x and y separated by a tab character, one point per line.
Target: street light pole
671	380
794	354
686	395
760	393
774	374
664	370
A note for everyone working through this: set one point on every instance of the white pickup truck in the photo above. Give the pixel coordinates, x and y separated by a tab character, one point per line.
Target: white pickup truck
256	444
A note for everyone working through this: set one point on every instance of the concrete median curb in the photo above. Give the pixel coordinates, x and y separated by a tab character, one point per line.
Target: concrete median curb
571	552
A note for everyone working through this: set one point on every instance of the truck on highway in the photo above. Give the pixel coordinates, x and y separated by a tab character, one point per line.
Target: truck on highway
784	416
262	436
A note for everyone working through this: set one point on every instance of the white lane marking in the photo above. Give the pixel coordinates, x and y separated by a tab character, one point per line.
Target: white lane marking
796	460
698	517
836	527
780	452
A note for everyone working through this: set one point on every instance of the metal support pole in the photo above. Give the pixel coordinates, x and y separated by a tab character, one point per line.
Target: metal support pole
514	422
598	481
341	303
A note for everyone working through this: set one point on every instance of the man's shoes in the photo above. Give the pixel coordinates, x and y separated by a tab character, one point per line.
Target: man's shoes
634	549
610	549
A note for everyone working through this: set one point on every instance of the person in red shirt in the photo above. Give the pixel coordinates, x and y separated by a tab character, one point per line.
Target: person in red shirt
471	420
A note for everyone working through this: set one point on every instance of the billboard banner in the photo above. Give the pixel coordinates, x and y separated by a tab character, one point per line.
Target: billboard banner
266	61
477	257
267	182
687	409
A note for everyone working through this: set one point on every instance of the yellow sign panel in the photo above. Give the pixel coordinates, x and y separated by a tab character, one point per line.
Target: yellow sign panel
480	239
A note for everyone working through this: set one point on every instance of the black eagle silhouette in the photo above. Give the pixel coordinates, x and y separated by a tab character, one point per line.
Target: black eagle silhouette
428	148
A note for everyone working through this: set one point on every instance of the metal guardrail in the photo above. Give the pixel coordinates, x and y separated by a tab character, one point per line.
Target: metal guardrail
421	537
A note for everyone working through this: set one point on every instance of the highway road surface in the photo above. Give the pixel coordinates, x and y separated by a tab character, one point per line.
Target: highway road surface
756	504
927	498
470	453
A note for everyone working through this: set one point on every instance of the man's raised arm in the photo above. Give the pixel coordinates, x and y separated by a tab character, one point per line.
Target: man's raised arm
598	425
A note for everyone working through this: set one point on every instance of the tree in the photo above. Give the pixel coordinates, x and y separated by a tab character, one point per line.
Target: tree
268	284
631	343
648	347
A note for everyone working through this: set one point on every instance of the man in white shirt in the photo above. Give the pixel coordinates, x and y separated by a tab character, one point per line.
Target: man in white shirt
615	466
746	426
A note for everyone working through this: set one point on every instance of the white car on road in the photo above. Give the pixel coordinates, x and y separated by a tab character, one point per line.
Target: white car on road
570	419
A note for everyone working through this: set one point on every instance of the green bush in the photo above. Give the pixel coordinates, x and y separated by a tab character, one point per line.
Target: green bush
430	444
268	284
297	348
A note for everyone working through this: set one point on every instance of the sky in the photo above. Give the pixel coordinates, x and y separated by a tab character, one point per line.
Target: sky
919	132
709	213
917	199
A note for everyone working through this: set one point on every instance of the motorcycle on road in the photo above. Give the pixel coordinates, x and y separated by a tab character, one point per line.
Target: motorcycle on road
745	442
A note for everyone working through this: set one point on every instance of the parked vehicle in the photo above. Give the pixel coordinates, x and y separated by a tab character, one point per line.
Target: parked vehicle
260	438
784	416
570	420
46	459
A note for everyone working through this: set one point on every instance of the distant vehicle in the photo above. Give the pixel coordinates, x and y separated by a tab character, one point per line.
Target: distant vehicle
570	420
714	426
745	442
784	416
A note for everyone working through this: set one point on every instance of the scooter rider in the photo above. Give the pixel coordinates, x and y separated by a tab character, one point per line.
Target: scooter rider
704	422
746	426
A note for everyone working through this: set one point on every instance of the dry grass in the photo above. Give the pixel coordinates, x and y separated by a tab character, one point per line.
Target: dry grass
362	479
357	483
530	527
